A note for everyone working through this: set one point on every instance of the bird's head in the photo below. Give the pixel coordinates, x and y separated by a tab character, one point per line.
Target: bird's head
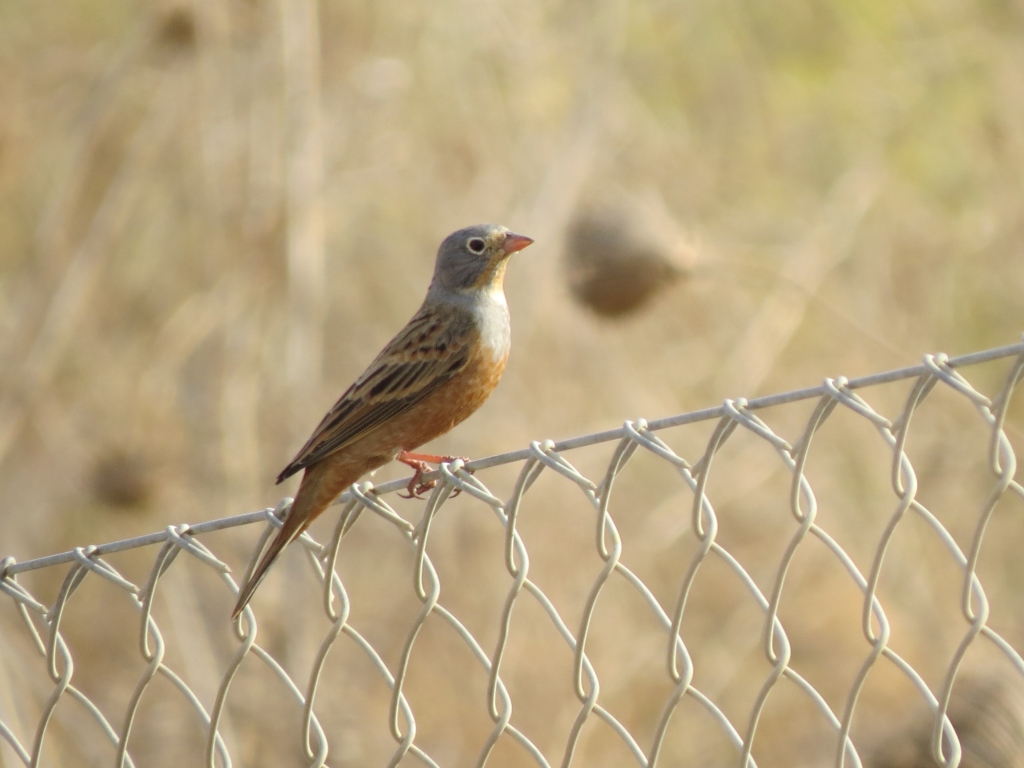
474	258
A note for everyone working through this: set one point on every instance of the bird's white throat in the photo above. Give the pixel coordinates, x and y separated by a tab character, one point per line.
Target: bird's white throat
491	311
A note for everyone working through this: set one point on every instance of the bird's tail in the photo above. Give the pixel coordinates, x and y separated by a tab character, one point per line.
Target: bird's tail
289	532
319	487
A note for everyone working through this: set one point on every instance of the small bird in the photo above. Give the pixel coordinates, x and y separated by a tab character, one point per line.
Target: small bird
439	369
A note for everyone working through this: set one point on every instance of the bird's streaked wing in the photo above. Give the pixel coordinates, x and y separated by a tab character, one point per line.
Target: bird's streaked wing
428	352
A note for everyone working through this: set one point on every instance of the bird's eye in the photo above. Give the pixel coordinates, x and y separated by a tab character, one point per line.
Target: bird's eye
476	245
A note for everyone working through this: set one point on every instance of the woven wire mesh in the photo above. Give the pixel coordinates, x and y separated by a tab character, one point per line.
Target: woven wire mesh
694	609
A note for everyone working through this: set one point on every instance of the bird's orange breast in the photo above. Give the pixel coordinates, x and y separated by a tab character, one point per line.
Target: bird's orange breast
455	401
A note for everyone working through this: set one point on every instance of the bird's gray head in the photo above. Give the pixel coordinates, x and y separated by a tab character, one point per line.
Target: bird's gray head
474	258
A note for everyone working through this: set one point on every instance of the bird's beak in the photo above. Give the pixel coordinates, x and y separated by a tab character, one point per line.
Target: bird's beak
514	242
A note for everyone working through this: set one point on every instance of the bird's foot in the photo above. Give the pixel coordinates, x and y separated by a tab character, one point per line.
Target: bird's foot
421	463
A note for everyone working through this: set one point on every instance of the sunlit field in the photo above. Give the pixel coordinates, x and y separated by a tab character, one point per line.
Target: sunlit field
213	215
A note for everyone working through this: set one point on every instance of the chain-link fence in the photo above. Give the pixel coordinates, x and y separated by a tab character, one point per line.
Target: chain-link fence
824	576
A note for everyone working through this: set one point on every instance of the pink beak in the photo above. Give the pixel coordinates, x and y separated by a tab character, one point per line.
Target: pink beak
514	242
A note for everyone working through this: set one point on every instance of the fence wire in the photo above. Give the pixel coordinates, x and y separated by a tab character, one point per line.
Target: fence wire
58	708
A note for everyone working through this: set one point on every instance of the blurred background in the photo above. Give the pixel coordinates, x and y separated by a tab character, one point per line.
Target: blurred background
213	215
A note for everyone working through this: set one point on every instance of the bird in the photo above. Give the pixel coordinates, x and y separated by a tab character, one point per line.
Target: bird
432	375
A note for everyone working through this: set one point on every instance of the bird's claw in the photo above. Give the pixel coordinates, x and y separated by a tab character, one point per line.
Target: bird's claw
417	485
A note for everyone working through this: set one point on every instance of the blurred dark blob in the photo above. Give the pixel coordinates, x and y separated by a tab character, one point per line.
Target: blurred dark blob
619	255
987	711
176	29
121	479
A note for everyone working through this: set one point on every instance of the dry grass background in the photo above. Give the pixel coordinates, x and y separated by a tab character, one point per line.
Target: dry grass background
195	259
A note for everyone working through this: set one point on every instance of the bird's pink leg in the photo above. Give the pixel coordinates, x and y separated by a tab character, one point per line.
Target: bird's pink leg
420	462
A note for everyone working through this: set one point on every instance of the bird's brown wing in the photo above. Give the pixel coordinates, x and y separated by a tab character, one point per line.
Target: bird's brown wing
426	354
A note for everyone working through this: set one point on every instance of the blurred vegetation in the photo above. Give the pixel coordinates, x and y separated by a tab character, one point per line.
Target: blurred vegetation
182	293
